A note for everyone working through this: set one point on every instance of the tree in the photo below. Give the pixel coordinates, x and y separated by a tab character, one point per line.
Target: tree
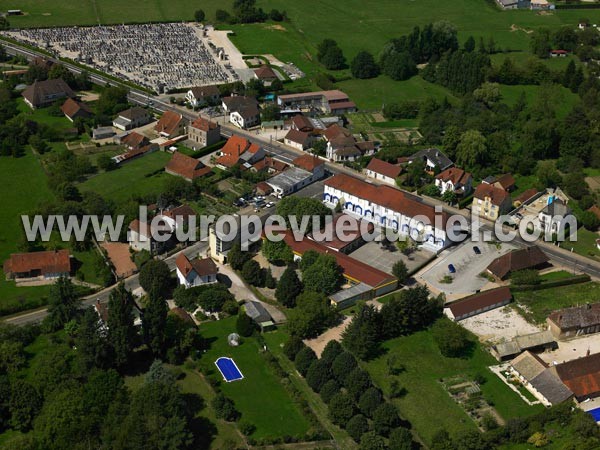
372	441
158	373
469	44
399	66
91	341
364	66
317	375
385	418
452	339
297	207
408	311
121	331
24	404
361	337
328	390
252	273
277	252
471	151
541	42
154	321
400	271
342	365
369	401
308	259
106	163
304	358
324	275
357	382
222	16
244	325
224	408
341	409
331	351
270	282
589	220
199	15
156	274
357	426
292	347
62	305
330	55
288	288
400	439
312	315
270	112
236	257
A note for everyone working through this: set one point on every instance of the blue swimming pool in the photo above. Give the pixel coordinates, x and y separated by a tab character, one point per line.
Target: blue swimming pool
595	414
228	369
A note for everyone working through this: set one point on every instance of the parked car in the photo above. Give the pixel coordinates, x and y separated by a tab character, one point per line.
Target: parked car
476	250
269	205
451	268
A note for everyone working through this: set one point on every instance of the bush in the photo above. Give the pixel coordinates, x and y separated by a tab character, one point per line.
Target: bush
452	339
331	351
245	326
341	409
329	390
292	347
231	307
246	428
304	359
526	277
224	408
357	426
252	273
357	382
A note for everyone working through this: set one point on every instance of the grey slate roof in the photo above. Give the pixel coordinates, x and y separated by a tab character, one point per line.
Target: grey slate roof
576	317
435	155
525	342
550	386
557	208
257	312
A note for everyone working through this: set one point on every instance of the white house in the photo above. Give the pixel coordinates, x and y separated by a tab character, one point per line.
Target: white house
383	171
390	208
454	180
555	216
132	118
196	272
243	111
200	96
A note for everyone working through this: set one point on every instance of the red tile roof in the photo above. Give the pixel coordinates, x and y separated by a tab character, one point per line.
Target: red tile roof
353	269
526	195
48	262
204	124
308	162
581	375
594	210
71	108
168	123
183	211
507	181
202	267
186	166
384	168
455	175
386	196
300	137
496	195
134	140
516	260
302	123
481	300
234	148
265	73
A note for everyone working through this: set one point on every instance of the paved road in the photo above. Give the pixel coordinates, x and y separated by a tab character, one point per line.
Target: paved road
286	154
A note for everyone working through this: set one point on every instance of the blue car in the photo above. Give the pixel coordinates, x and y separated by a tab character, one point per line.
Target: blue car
476	250
451	268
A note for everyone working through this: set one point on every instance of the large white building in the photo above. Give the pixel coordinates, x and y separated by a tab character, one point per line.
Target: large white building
390	208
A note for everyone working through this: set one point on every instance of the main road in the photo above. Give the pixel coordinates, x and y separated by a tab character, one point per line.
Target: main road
286	154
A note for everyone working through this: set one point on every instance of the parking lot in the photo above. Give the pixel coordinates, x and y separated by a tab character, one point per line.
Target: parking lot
467	264
384	258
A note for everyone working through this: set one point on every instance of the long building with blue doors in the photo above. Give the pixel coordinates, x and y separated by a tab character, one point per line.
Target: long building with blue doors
390	208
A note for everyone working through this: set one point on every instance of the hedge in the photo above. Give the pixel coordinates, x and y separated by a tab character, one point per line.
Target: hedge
577	279
208	150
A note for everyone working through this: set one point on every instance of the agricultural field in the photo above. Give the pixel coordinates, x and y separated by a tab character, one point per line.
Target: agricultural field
135	178
536	305
260	396
424	367
27	189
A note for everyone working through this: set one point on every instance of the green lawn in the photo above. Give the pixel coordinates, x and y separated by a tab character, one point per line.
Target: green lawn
554	276
426	404
260	396
131	179
26	189
58	123
542	302
585	244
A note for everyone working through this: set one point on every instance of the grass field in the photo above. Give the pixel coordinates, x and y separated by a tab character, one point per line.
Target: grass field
260	397
565	99
585	244
131	179
26	189
541	303
424	367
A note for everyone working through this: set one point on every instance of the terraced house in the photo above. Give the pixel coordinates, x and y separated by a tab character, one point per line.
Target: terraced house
390	208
